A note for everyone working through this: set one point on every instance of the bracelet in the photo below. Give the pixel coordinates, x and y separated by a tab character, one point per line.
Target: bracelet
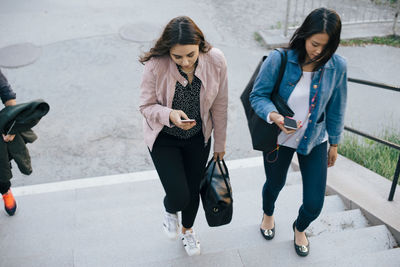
334	145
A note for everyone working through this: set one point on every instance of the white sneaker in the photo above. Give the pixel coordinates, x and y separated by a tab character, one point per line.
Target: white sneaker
190	242
171	225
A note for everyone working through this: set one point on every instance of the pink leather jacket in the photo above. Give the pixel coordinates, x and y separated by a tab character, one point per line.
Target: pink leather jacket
157	92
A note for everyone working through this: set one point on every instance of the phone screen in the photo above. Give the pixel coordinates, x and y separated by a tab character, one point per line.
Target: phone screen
290	123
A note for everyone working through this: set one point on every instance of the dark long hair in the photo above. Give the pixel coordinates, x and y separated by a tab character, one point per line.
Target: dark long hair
180	30
320	20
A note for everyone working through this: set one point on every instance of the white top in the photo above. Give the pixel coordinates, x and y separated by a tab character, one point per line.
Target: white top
299	102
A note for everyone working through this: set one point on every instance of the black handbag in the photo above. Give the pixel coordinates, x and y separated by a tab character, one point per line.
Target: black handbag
264	135
216	194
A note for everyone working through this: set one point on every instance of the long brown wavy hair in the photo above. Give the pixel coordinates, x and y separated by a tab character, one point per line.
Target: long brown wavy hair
180	30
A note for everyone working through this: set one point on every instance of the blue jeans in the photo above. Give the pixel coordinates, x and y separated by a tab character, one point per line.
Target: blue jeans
313	169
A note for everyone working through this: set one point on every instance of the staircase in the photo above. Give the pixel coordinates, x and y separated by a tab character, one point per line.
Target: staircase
118	223
339	237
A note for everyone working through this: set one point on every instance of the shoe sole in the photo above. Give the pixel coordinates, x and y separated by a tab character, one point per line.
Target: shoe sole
193	253
11	212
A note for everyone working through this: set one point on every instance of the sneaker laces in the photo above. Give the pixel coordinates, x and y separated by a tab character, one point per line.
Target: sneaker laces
190	239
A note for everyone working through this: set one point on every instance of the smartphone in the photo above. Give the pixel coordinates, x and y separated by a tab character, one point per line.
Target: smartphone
190	120
290	123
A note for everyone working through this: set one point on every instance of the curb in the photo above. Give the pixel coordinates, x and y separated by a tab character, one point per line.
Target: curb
274	38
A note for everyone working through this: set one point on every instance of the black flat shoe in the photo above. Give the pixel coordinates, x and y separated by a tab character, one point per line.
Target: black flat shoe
268	233
300	250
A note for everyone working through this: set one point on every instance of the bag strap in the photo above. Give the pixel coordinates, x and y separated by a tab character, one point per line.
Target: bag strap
281	71
212	170
225	175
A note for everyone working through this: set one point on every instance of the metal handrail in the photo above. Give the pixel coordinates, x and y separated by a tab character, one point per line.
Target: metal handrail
376	139
375	84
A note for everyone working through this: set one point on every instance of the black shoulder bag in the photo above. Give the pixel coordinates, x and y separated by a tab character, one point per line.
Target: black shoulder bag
264	136
216	193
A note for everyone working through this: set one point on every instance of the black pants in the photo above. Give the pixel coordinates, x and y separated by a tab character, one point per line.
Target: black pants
5	168
313	169
180	165
4	186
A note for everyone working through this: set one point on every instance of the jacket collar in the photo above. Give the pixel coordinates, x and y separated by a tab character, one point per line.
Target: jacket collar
175	72
292	57
199	72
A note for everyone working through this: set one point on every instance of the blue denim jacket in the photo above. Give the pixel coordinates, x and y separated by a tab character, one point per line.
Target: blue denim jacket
328	113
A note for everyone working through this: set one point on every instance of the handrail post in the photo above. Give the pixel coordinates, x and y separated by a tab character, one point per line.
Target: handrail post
285	31
395	180
396	16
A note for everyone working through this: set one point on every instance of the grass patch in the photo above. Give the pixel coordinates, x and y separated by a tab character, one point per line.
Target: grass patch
391	40
258	39
370	154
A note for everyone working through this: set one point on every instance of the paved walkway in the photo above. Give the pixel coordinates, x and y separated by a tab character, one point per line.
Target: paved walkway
116	221
90	77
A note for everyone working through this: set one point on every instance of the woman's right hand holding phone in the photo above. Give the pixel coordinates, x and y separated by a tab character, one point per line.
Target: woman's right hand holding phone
176	117
278	119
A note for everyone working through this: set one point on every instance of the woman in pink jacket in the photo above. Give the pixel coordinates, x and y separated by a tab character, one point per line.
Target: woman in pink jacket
184	98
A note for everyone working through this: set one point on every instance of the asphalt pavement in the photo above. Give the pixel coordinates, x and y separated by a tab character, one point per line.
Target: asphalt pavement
90	76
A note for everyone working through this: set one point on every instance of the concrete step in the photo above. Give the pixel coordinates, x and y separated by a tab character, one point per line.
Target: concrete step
352	247
229	258
248	205
337	222
387	258
107	225
227	237
330	247
120	224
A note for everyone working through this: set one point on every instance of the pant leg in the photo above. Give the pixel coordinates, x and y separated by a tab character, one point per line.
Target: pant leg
168	161
5	168
4	186
195	155
313	169
276	177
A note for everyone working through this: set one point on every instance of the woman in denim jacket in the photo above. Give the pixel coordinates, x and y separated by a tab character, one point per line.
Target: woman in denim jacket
315	86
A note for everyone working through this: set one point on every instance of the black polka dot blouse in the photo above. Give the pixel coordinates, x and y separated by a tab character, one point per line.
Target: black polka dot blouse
187	99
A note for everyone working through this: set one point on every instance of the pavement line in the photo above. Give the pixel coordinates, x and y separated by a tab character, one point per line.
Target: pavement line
116	179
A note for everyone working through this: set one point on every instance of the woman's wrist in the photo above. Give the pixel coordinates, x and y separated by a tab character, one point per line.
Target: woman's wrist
334	145
274	116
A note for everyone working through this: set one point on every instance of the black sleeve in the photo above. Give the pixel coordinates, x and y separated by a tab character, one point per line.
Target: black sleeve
6	93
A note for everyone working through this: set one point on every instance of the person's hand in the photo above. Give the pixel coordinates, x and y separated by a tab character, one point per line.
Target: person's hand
278	119
332	155
8	137
219	154
176	118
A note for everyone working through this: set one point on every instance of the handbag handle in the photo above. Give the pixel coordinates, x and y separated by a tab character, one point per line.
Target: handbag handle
212	171
281	71
224	176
